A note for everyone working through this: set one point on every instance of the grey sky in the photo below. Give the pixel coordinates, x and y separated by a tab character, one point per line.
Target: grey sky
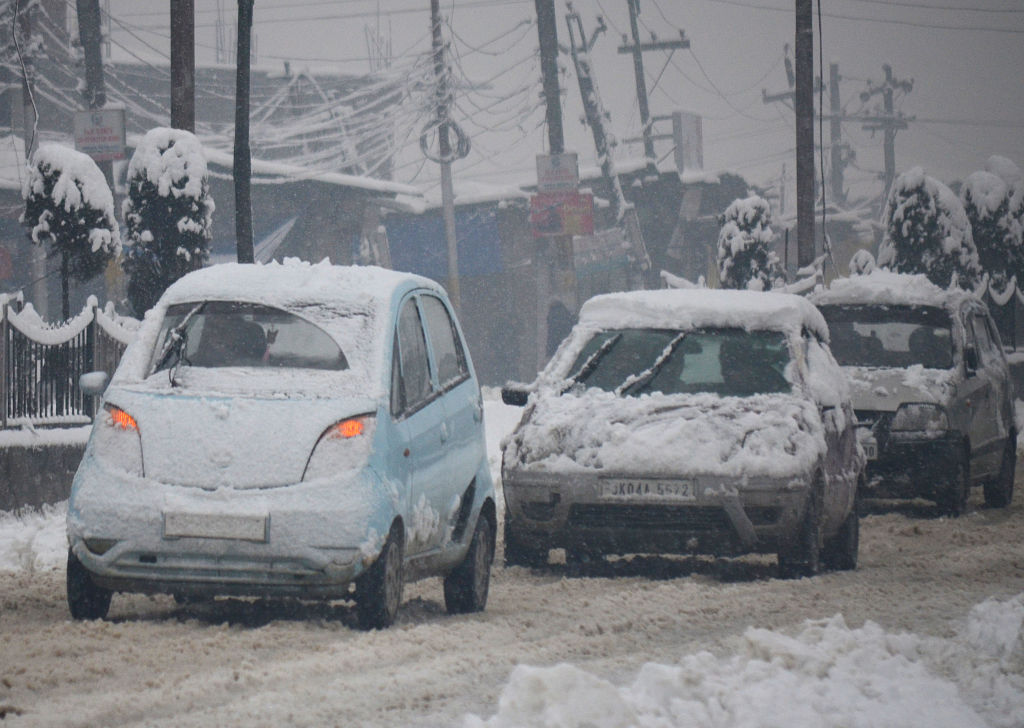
967	92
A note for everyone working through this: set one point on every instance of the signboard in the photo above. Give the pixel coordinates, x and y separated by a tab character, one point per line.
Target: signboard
100	134
558	172
561	213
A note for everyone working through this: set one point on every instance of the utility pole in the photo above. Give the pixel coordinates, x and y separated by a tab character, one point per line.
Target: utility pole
803	103
835	134
90	37
445	155
636	48
183	64
888	121
547	32
242	169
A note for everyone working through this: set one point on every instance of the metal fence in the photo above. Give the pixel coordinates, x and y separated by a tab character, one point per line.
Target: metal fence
40	363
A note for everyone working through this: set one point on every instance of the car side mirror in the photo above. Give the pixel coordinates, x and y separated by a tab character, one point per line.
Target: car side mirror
93	383
971	360
515	396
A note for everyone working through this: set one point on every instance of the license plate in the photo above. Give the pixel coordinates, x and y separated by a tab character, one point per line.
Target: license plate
215	525
870	445
653	490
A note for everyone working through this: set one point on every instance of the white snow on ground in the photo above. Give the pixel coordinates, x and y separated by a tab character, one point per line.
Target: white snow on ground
34	540
827	675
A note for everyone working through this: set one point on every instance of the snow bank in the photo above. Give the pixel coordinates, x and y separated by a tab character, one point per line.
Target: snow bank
33	540
883	286
826	675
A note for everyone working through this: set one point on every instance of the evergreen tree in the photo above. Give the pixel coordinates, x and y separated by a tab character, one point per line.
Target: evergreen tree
69	207
927	231
745	257
168	214
986	200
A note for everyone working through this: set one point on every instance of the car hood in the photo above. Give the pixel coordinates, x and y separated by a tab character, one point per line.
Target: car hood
212	440
775	435
883	390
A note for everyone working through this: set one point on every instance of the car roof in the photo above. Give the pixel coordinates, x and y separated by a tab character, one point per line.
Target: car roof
703	308
886	287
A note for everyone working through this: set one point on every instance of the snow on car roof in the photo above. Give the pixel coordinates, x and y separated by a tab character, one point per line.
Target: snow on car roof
883	286
703	308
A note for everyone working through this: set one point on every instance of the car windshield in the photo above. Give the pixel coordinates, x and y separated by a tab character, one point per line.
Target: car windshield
890	336
233	334
729	362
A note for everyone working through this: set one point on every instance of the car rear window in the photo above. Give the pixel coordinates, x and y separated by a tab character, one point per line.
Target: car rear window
881	336
234	333
728	362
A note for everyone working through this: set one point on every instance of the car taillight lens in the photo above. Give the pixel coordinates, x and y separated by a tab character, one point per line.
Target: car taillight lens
343	446
116	440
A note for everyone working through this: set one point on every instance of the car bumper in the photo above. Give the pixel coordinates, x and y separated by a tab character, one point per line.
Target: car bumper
575	512
911	465
308	539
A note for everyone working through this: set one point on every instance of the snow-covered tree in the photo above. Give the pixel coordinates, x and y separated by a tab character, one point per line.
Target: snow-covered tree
745	257
927	231
1010	173
861	263
168	214
69	207
986	200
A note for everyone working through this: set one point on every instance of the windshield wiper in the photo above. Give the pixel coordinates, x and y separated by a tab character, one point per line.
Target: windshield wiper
640	380
177	338
591	363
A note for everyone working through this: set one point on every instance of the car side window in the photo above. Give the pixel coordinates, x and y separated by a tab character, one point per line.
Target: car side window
449	355
986	346
412	357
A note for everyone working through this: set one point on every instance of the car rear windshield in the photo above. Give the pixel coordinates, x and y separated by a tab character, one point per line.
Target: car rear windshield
238	334
729	362
879	335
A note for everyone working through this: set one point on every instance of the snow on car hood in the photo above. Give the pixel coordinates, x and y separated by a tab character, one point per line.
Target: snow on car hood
884	389
773	435
210	438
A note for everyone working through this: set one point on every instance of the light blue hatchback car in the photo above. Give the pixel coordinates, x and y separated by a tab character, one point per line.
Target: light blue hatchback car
301	430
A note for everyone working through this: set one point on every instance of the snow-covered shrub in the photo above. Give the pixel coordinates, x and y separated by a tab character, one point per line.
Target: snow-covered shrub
927	231
745	257
1010	173
986	200
168	214
861	263
69	207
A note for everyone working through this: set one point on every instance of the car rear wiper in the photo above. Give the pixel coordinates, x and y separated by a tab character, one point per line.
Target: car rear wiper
635	382
591	363
177	338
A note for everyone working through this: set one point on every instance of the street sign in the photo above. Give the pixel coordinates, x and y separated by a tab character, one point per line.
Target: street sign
100	134
561	213
558	172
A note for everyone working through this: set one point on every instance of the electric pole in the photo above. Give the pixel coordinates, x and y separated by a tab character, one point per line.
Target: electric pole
636	48
835	134
547	32
242	169
183	64
445	155
803	103
888	121
90	36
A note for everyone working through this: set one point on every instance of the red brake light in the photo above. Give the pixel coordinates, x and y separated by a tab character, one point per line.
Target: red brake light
122	419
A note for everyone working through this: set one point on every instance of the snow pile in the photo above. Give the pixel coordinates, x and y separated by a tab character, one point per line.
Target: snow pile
827	675
887	287
986	191
34	540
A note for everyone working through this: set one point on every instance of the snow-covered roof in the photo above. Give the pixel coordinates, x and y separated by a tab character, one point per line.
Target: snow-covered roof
883	286
700	308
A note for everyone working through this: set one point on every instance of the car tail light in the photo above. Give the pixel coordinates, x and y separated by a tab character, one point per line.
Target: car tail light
116	440
343	446
122	419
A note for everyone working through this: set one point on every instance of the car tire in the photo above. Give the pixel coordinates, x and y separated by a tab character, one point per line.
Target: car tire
952	501
85	599
520	553
379	588
840	552
802	555
466	587
999	492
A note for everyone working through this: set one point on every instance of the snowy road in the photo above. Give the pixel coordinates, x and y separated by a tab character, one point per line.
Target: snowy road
236	663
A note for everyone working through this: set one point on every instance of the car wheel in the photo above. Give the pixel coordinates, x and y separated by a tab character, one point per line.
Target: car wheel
85	599
465	589
952	501
520	553
802	556
379	589
999	493
840	552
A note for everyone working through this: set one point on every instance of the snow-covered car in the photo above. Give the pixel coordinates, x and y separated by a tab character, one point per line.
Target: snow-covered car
686	421
312	431
930	385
